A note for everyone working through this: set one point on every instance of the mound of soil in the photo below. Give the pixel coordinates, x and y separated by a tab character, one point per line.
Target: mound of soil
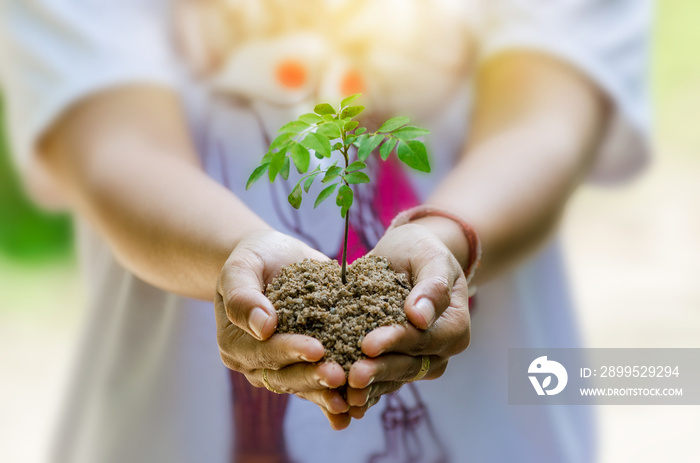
311	299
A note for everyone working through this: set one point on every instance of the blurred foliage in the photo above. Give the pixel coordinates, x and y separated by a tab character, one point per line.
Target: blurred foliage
676	76
27	233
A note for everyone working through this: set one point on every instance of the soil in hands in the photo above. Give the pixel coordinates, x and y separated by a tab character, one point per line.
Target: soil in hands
311	299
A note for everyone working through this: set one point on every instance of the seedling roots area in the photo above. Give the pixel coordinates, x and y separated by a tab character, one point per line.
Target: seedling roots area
311	299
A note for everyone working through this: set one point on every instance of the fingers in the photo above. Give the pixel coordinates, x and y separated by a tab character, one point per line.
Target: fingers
446	338
392	368
276	353
435	271
366	397
404	339
252	264
241	286
359	412
318	383
449	335
416	251
306	377
337	421
328	399
242	352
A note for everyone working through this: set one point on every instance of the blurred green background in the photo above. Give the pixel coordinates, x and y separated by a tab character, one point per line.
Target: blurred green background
633	254
676	75
26	233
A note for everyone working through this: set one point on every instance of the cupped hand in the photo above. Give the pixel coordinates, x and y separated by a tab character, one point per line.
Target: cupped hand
437	308
246	320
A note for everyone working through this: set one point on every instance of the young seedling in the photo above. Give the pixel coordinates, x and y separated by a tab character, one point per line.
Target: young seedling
327	131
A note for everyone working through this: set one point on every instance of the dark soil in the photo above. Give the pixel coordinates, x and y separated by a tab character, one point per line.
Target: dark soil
311	299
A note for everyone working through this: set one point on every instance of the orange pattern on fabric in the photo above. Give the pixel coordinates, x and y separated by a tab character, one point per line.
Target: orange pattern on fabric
352	83
291	73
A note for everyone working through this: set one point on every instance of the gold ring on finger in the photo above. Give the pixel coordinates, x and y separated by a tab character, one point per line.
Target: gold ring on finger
267	385
424	367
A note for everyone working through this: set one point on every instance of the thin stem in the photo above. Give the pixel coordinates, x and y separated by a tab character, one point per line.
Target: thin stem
343	270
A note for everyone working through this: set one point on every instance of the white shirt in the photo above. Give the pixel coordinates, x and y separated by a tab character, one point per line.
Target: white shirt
149	384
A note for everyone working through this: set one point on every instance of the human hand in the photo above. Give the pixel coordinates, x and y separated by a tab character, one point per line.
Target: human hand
437	308
246	320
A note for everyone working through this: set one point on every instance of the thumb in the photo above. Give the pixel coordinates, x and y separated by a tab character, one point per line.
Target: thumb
434	276
241	288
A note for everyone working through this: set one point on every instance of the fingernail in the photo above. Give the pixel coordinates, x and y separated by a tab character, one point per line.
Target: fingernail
366	400
426	309
371	380
257	320
323	383
336	401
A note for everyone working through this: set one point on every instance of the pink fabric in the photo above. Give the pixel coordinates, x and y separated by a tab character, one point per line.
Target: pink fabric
258	417
394	194
394	191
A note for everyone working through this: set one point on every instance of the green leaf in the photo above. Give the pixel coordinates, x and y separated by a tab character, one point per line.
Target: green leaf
329	129
281	140
350	125
317	142
331	174
414	154
301	157
360	131
324	194
324	108
359	140
352	111
328	117
293	127
393	124
310	118
350	99
409	133
357	165
344	199
387	147
357	177
257	173
294	197
285	169
368	145
276	164
310	180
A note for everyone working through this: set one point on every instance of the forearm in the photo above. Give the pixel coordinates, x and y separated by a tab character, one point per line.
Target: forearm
532	141
128	167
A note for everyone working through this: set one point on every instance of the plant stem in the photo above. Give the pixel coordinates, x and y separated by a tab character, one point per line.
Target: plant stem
343	270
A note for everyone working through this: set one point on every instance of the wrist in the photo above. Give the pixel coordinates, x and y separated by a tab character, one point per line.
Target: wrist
469	258
252	233
450	233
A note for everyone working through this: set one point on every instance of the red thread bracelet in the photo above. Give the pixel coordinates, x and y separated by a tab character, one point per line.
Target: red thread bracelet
419	212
